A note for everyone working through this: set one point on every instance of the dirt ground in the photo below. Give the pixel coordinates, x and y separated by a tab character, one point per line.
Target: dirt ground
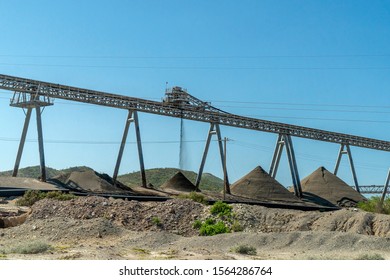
98	228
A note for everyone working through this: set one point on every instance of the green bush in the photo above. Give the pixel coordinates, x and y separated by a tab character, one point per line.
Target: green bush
210	227
245	250
60	195
197	197
236	227
31	248
32	196
221	209
371	257
156	221
197	224
373	205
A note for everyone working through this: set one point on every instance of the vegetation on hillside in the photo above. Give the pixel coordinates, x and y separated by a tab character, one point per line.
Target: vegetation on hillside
155	176
158	176
35	171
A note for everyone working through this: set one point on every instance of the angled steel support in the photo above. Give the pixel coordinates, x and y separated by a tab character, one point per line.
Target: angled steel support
139	147
206	149
222	154
285	140
346	150
293	165
276	157
22	141
214	129
131	117
40	144
385	188
129	120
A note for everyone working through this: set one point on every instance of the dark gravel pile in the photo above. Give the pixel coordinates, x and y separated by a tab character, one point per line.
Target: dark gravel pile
180	183
327	188
259	185
176	216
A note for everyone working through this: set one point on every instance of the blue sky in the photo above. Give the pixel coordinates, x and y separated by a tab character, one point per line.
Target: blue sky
321	64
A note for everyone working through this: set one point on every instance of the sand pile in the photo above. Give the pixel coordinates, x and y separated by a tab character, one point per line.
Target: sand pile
90	181
326	188
259	185
25	183
178	183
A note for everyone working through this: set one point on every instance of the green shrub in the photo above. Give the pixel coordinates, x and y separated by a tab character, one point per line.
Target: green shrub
210	227
221	209
195	196
156	221
371	257
245	250
197	224
31	248
32	196
60	195
236	226
373	205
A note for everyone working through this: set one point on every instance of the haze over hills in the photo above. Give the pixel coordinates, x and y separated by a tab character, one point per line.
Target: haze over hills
155	176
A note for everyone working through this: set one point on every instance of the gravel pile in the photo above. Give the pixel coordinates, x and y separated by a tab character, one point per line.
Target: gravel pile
179	183
326	188
176	216
259	185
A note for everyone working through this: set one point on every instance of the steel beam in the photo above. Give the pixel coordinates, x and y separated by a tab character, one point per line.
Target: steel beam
293	165
129	119
139	147
340	154
276	157
194	110
385	188
22	141
352	165
40	144
206	149
346	150
221	152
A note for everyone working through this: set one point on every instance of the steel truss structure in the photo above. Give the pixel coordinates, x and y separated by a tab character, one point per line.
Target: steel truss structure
178	103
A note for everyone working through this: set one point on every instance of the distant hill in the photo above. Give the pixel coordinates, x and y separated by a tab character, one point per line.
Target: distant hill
158	176
35	171
155	176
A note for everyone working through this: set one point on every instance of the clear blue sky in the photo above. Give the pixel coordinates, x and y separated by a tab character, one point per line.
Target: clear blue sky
322	64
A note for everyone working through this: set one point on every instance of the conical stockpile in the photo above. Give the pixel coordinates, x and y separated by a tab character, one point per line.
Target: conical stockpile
326	187
178	183
90	181
259	185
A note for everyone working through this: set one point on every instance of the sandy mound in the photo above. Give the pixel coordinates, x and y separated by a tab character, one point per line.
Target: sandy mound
259	185
326	188
178	183
90	180
25	183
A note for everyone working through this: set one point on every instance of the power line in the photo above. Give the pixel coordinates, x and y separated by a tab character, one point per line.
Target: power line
317	119
88	142
306	109
297	104
169	67
199	57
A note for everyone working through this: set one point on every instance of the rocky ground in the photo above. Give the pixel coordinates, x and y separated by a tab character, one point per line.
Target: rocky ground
100	228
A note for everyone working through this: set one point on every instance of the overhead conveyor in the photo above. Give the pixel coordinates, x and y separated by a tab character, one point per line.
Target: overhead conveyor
178	103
